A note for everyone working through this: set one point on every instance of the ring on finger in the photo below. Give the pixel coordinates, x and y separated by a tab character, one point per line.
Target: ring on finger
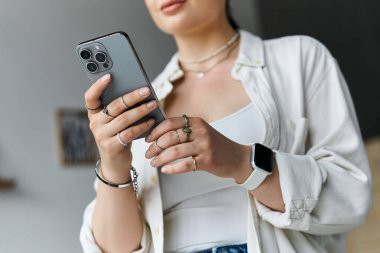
179	139
195	163
155	144
186	120
105	111
93	110
186	129
125	104
125	145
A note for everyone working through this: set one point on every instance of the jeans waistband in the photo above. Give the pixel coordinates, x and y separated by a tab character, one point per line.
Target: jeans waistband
239	248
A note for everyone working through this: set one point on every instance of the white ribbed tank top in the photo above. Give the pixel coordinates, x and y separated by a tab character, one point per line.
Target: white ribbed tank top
202	210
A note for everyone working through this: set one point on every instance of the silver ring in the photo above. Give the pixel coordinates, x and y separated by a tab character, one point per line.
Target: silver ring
186	121
125	105
93	110
125	145
179	139
195	163
155	144
186	129
105	111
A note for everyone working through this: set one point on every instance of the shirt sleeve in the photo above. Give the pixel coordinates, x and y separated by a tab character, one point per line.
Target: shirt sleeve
87	239
327	188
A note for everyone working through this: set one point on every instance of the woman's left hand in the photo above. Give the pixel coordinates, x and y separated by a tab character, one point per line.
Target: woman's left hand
212	151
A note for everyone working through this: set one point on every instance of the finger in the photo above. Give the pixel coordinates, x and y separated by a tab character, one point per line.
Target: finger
173	153
167	140
187	165
121	104
166	126
131	133
93	94
129	117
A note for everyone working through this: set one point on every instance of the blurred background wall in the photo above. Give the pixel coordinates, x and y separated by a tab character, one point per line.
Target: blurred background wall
351	31
39	74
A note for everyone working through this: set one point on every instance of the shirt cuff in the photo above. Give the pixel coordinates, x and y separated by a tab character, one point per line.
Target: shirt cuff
300	191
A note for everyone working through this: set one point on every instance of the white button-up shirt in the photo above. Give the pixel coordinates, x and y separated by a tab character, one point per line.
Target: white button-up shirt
311	124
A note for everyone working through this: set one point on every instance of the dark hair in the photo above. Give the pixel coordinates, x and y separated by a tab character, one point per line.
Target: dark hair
231	20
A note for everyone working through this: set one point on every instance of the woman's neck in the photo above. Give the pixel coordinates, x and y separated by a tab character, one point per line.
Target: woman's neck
200	42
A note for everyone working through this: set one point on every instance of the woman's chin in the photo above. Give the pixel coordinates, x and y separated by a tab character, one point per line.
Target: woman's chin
176	27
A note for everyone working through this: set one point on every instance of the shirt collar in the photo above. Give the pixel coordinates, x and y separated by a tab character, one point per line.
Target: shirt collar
251	51
251	54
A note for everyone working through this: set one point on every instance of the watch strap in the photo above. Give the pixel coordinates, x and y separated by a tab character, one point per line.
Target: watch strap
258	175
255	179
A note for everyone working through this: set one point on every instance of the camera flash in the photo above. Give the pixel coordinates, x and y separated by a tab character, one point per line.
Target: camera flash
97	47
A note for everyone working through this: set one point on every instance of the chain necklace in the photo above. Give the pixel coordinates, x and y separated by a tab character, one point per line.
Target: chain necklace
212	54
201	74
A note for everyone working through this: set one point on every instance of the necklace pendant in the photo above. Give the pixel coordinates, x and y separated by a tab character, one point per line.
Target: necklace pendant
200	74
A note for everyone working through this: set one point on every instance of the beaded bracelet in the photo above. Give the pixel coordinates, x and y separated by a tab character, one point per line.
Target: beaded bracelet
133	182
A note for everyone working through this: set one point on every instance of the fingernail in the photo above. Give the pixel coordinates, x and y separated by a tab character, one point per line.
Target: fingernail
151	104
150	122
148	138
164	170
153	162
144	91
105	78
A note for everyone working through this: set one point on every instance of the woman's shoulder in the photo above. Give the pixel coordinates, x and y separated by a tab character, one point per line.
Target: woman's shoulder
296	63
306	48
298	56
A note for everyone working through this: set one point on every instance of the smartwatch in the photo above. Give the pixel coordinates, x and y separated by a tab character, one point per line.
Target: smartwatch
262	162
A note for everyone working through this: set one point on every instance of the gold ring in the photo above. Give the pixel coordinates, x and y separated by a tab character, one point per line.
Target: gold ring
125	105
195	163
105	111
155	144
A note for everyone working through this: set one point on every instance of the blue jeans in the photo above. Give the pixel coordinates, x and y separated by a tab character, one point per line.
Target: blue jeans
240	248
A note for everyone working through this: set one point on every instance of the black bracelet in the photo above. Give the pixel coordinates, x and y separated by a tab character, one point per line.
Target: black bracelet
133	182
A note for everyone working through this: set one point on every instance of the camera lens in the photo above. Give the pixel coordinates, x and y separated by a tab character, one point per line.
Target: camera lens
101	57
92	67
85	54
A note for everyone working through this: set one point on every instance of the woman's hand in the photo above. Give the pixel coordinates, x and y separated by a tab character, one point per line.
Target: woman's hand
106	127
212	151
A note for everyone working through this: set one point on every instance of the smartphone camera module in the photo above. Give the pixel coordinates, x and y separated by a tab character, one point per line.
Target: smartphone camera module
95	58
92	67
101	57
85	54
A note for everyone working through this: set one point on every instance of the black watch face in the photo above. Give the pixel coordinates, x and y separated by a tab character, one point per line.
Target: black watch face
264	158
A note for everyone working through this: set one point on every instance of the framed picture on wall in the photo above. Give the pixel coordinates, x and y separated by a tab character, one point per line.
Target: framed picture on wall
76	142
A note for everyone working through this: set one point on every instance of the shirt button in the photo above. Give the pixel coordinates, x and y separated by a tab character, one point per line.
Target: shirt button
156	231
153	179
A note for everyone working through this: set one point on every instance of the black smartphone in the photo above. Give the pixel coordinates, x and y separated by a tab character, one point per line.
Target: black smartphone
114	53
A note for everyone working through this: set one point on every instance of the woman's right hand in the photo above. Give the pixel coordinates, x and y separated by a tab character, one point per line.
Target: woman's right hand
117	159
